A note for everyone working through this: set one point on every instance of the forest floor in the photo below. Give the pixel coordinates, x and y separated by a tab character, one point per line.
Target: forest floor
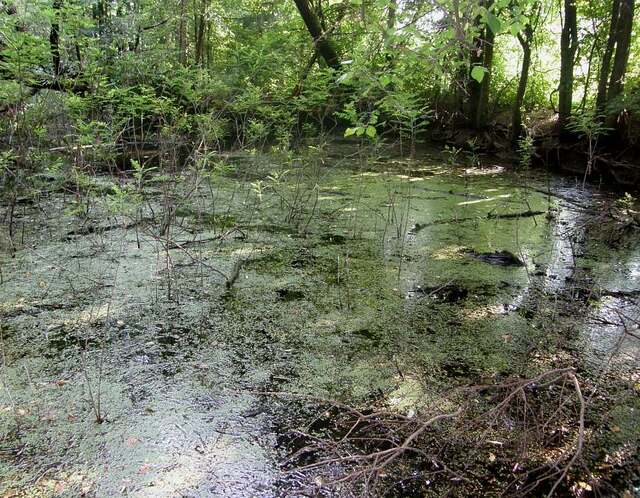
209	320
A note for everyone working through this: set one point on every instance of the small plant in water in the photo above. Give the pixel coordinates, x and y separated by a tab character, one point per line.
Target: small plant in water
452	152
591	126
473	154
525	151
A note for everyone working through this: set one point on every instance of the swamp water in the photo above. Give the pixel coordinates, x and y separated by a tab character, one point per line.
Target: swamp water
368	282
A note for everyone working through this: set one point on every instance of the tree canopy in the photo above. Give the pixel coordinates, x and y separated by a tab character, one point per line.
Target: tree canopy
258	71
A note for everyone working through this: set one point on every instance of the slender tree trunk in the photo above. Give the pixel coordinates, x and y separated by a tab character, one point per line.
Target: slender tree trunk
481	55
391	24
482	115
568	48
605	67
459	92
182	33
587	80
101	15
623	44
76	46
208	44
473	86
54	38
324	46
516	118
201	27
391	14
305	73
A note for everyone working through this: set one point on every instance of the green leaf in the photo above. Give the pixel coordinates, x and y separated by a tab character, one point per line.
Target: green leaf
385	80
515	28
477	73
349	131
371	131
494	23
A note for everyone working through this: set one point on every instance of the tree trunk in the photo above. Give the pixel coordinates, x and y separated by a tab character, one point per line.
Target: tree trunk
482	55
623	44
101	15
568	48
324	46
516	118
200	27
473	86
54	38
605	67
483	104
182	34
391	25
391	14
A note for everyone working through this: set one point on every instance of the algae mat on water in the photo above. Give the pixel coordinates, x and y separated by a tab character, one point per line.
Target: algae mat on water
356	284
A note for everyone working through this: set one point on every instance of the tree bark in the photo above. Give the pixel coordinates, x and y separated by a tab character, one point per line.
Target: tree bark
605	67
623	44
54	38
199	28
324	46
482	55
482	114
182	34
473	86
516	118
101	14
391	14
568	48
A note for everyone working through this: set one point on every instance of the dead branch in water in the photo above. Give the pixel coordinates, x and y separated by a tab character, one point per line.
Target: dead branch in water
365	446
235	273
490	216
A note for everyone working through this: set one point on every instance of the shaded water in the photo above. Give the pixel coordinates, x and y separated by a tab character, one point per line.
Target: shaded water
360	281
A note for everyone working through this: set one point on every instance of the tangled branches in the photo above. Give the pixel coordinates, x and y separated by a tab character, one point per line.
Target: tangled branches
476	438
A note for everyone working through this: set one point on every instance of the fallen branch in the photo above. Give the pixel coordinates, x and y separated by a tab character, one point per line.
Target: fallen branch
525	214
364	446
89	229
490	216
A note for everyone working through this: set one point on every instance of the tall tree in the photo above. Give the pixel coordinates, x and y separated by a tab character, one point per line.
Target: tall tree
624	28
568	49
54	38
605	66
482	111
182	33
322	44
525	39
481	55
392	7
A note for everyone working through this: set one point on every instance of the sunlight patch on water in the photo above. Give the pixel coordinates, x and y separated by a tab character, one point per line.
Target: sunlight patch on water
481	201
